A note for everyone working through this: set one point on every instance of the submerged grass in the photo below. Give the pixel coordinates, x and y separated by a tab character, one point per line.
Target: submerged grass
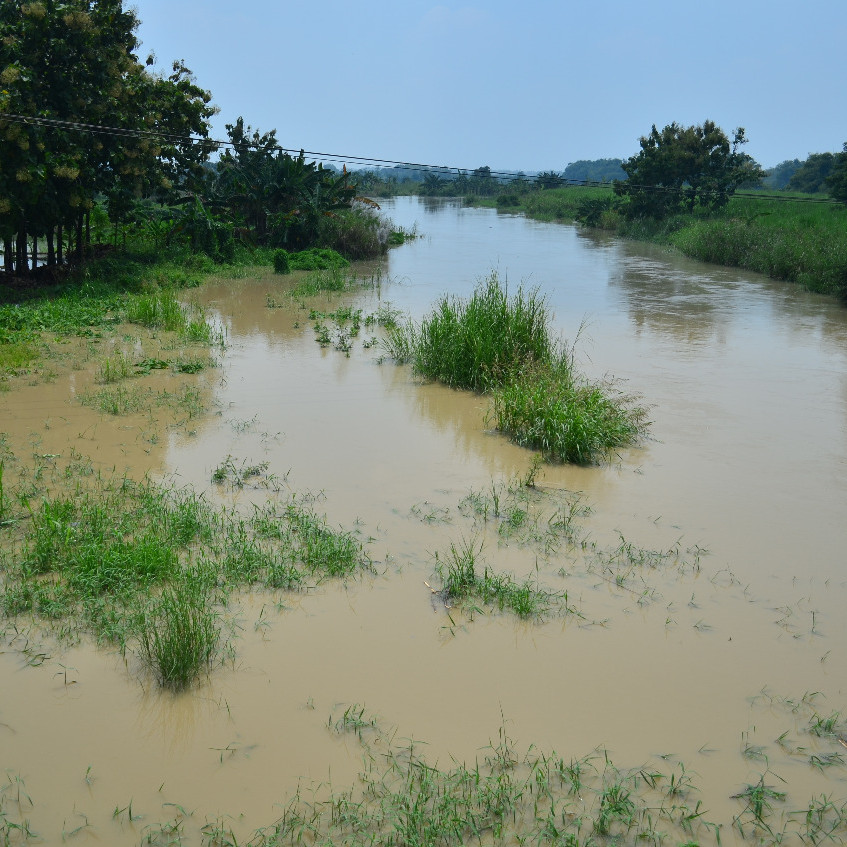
150	569
463	582
504	797
502	344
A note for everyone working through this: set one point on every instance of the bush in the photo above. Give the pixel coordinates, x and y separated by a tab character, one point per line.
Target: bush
317	259
282	264
357	233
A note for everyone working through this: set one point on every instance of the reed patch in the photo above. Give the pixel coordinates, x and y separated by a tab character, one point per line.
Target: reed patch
503	345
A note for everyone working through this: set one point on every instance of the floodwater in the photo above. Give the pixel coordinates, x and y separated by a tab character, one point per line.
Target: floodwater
746	380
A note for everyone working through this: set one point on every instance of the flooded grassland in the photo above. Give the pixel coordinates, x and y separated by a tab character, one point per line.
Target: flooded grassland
655	648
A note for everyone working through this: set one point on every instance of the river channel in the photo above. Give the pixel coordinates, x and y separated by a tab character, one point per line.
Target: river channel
704	661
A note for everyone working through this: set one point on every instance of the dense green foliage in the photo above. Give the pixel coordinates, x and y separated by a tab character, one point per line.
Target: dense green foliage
780	175
76	62
811	176
279	198
594	170
62	184
837	179
684	168
317	259
282	261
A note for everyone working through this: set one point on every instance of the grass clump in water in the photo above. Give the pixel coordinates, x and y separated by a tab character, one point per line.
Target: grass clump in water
476	343
462	583
317	259
567	418
331	279
162	310
504	345
179	635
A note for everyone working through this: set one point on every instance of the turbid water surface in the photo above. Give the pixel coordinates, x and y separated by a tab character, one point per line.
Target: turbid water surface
704	660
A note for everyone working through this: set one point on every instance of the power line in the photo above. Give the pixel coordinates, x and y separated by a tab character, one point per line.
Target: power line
501	176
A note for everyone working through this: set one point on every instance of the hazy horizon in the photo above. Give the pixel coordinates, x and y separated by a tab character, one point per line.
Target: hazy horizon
531	87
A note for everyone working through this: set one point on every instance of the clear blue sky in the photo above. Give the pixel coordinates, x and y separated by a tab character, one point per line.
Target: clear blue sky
527	85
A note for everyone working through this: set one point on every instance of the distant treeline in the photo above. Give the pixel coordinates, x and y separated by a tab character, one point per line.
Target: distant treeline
482	181
807	175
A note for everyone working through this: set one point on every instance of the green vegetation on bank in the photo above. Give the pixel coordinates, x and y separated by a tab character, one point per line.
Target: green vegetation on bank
503	345
790	239
64	190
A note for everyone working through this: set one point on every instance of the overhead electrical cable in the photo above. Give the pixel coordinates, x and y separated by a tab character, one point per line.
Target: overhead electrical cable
501	176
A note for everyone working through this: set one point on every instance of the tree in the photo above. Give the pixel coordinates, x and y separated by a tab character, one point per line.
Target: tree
280	198
780	175
549	179
72	62
812	174
594	170
683	168
837	180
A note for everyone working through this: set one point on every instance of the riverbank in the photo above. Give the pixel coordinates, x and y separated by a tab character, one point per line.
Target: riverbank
793	239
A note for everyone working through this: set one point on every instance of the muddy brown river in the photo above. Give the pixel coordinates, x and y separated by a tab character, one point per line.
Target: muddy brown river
708	662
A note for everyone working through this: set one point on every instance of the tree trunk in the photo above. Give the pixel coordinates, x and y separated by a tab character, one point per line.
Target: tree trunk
34	252
22	263
51	250
59	239
88	229
80	244
8	256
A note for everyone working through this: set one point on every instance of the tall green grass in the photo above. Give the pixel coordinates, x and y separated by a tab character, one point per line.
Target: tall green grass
179	635
788	238
796	242
503	344
567	418
476	343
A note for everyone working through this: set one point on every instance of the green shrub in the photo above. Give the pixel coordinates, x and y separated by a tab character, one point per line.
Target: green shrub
317	259
282	264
